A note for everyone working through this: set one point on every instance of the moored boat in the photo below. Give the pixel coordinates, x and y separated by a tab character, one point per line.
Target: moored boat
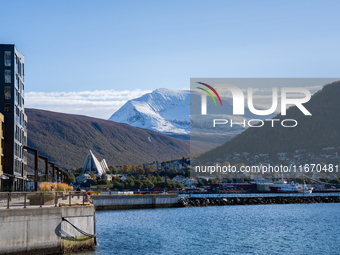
283	187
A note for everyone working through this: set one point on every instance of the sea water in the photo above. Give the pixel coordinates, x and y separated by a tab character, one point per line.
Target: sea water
253	229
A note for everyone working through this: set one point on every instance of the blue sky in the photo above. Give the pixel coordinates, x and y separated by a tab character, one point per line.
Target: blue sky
127	48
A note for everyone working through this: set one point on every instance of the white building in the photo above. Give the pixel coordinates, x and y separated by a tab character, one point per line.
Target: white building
92	165
189	182
178	178
104	165
83	178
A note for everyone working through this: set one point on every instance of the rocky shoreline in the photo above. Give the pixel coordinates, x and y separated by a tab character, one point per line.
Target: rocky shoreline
195	202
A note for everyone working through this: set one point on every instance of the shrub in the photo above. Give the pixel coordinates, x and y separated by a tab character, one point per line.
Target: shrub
64	187
37	196
54	185
45	186
103	182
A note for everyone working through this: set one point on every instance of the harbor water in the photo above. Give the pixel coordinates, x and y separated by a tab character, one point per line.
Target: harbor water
254	229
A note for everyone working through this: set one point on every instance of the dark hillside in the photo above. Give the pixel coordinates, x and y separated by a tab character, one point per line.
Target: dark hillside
65	139
314	132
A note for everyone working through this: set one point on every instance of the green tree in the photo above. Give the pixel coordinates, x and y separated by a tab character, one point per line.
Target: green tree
159	179
323	180
118	185
92	181
102	182
130	183
140	170
71	178
151	185
114	170
335	181
179	185
138	184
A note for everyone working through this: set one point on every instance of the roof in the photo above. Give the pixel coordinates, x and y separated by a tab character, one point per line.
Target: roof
92	165
104	165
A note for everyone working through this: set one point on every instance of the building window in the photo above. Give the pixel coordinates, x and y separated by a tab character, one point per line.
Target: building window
7	107
16	166
16	135
8	76
8	94
8	60
17	82
16	96
16	64
22	120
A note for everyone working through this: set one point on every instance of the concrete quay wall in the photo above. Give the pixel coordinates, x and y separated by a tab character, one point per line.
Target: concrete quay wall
124	202
42	230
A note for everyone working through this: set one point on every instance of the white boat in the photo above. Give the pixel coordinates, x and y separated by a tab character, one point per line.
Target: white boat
283	187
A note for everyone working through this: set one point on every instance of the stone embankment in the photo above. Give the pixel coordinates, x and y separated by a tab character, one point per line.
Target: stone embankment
191	202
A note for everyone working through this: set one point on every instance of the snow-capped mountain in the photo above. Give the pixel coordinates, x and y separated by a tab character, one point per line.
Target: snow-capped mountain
168	111
163	110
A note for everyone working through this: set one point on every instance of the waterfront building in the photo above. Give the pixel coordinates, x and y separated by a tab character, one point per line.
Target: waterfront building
2	177
12	87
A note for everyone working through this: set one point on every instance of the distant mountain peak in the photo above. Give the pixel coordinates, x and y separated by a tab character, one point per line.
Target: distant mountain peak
163	110
168	111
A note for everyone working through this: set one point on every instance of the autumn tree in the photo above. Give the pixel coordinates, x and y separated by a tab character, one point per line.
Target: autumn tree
125	169
140	170
153	168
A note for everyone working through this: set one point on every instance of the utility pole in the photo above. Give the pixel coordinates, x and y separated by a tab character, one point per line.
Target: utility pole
165	168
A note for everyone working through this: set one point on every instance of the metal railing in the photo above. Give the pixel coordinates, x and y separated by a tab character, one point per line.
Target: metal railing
42	199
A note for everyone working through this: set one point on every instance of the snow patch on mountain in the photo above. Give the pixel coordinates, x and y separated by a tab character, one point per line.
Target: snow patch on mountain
168	111
163	110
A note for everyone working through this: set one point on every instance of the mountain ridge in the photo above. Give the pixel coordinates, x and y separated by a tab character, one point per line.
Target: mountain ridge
312	132
66	138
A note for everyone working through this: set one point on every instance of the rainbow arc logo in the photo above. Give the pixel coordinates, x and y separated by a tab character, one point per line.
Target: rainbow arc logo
209	93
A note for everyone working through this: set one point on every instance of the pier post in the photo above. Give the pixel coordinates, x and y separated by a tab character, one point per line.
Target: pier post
8	198
57	174
35	166
52	164
46	166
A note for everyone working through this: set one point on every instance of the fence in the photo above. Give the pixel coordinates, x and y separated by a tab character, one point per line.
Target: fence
57	198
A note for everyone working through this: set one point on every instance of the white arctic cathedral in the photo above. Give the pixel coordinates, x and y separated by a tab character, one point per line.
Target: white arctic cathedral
92	165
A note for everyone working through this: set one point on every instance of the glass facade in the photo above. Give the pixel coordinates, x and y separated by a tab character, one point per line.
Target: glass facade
8	92
8	58
8	76
12	107
7	107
